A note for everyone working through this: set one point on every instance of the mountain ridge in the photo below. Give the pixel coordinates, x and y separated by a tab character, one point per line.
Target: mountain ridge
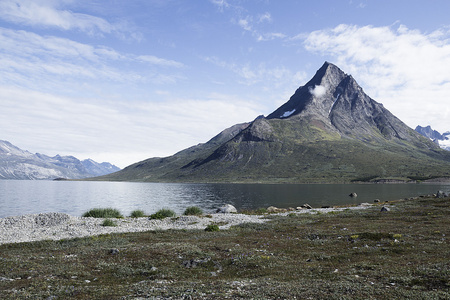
16	163
443	140
328	131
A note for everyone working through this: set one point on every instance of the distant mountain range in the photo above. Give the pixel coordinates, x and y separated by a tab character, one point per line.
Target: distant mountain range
329	131
16	163
443	140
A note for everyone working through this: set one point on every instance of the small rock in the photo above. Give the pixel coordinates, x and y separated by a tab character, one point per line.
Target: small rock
226	209
273	209
194	262
307	206
353	195
384	208
114	251
6	279
376	200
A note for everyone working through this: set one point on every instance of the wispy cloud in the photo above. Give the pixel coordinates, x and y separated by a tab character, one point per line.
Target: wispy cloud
48	14
401	67
160	61
261	73
245	23
271	36
113	130
266	17
221	4
250	23
27	56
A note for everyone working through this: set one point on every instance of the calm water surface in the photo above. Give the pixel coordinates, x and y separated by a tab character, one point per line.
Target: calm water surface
18	197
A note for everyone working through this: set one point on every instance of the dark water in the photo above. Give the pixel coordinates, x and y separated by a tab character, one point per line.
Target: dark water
29	197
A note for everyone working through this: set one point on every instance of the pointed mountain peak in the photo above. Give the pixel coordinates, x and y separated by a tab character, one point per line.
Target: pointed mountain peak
316	96
336	101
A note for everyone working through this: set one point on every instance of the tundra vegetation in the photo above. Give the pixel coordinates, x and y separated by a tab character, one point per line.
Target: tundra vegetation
403	253
137	213
162	214
103	213
193	211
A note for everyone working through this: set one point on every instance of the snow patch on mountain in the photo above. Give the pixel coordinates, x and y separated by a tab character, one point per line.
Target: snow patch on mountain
287	113
443	140
16	163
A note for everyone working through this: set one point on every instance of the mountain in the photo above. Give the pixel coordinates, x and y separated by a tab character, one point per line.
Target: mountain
16	163
443	140
328	131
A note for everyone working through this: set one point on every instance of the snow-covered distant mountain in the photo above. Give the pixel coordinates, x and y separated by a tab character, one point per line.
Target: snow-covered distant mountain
16	163
443	140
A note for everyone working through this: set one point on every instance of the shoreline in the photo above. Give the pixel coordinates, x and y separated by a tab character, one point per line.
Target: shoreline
58	226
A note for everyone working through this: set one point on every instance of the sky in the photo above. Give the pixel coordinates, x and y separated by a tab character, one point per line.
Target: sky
122	81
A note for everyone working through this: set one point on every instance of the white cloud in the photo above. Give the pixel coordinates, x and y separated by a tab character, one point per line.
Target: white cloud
105	130
251	75
27	56
221	4
318	91
48	14
245	23
404	69
160	61
267	17
270	36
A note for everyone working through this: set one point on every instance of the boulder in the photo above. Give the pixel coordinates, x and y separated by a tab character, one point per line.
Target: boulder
273	209
384	208
226	209
376	200
353	195
114	251
441	194
307	206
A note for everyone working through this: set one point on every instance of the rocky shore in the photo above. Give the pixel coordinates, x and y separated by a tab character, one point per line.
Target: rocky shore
56	226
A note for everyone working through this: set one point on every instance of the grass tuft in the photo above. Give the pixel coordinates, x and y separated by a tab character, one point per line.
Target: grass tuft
103	213
162	214
193	211
137	214
109	222
212	227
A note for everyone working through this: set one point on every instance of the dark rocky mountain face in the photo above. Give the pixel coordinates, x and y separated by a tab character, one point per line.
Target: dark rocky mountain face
443	140
336	101
429	133
328	131
16	163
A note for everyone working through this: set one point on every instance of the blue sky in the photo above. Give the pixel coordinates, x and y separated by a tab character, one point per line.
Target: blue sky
122	81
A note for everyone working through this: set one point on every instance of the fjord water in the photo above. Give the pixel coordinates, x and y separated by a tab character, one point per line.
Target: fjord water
19	197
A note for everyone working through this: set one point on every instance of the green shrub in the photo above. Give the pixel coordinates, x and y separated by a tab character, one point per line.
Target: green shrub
137	214
162	214
212	227
103	213
193	211
109	222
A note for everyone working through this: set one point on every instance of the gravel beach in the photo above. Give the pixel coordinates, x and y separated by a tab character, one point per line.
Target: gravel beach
56	226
